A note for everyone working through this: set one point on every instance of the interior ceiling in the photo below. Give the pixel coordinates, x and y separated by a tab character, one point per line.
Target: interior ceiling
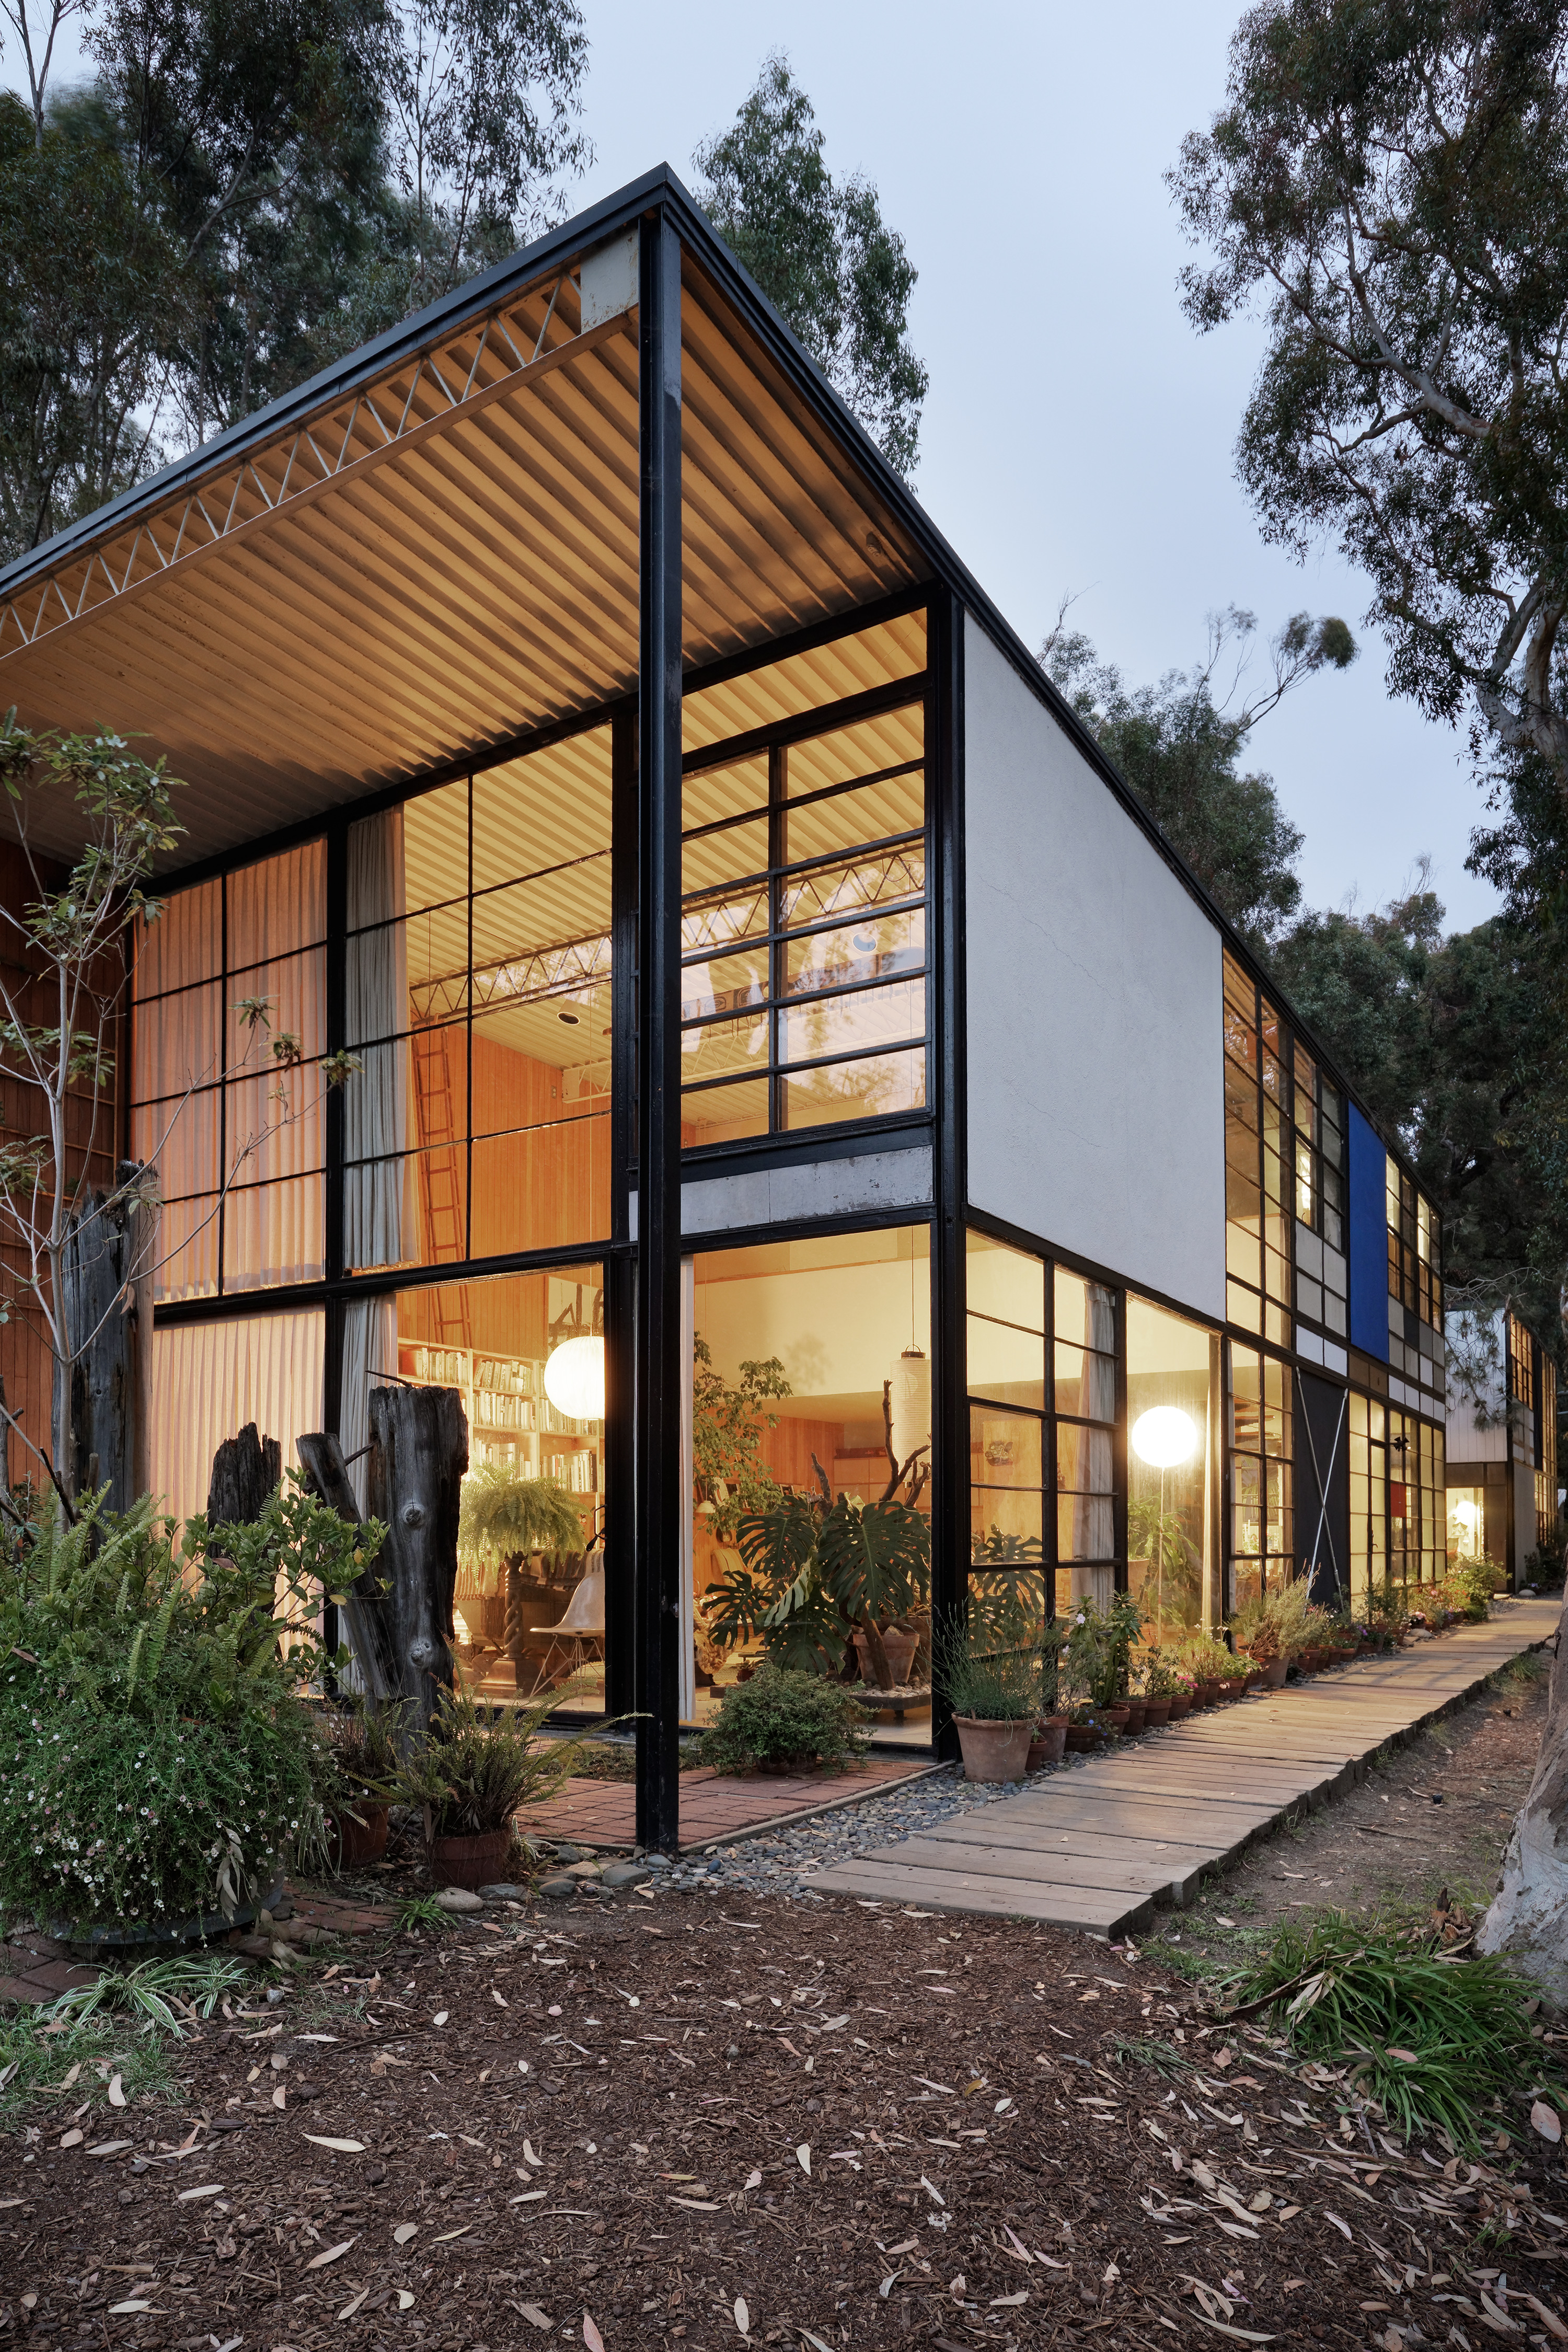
441	561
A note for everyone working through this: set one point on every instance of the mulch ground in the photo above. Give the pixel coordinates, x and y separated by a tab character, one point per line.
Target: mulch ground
701	2120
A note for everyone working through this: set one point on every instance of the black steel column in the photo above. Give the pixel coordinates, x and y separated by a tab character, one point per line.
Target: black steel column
620	1274
660	1368
333	1132
949	1075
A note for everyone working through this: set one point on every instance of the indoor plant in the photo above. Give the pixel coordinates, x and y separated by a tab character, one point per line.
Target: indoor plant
783	1720
817	1573
994	1695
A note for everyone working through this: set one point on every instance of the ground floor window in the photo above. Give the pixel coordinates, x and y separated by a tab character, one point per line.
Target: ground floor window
1173	1384
810	1365
1403	1524
1262	1524
1467	1533
526	1353
209	1379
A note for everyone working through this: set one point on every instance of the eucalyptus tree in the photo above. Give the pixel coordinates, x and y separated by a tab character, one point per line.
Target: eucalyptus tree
1387	184
821	252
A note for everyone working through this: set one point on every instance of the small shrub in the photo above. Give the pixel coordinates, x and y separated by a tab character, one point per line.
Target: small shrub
785	1716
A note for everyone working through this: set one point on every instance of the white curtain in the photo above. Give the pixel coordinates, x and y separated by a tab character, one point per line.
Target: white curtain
210	1379
375	1097
369	1352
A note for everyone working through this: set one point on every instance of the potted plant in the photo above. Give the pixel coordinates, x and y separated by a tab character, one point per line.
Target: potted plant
363	1751
1184	1691
503	1518
995	1694
471	1775
781	1720
1048	1742
1159	1689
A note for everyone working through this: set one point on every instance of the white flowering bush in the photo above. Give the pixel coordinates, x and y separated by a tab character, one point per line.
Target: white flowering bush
156	1754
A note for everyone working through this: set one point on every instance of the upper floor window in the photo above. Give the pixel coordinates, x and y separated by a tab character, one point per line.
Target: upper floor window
804	922
1414	1247
1520	1363
1259	1176
1320	1147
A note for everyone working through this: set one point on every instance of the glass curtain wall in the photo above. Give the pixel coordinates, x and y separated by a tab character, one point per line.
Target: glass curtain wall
479	976
804	997
1173	1388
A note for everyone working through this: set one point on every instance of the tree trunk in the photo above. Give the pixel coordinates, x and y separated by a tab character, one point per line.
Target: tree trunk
245	1472
365	1609
101	1399
1528	1918
418	1453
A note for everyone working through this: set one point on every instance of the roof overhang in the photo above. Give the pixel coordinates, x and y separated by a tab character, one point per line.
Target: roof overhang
433	547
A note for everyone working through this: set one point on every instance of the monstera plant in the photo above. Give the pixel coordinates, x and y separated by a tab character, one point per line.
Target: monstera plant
817	1572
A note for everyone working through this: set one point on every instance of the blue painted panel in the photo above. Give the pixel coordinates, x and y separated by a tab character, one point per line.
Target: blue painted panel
1368	1238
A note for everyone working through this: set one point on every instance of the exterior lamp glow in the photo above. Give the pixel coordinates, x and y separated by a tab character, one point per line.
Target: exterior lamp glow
575	1378
1164	1437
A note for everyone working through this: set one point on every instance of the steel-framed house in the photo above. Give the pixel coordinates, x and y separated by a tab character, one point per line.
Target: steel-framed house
746	955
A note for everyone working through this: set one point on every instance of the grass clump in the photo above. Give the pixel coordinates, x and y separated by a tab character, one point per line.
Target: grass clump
38	2059
787	1719
1437	2040
190	1983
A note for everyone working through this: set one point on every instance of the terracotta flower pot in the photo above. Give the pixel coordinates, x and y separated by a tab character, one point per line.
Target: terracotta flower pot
1255	1680
353	1843
1232	1687
472	1862
994	1748
1181	1707
1137	1715
1156	1713
1082	1737
901	1649
1275	1672
1116	1717
1207	1690
1047	1744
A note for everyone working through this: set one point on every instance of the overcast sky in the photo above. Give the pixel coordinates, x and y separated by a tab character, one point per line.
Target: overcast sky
1078	436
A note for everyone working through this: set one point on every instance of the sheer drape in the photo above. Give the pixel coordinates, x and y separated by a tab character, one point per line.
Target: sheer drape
376	1096
369	1352
211	1103
210	1379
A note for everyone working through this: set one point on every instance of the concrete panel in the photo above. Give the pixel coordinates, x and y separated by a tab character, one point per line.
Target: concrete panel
1096	1099
820	1188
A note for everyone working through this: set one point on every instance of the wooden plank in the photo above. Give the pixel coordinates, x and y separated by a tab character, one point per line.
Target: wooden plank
1131	1868
1052	1907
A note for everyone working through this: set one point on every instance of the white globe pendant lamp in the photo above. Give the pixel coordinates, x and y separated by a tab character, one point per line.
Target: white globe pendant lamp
1164	1437
575	1378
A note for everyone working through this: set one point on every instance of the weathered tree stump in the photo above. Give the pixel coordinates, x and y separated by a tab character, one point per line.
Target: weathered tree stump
366	1608
245	1473
418	1453
101	1407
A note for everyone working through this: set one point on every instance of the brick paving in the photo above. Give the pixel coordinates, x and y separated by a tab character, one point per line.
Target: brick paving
33	1967
713	1805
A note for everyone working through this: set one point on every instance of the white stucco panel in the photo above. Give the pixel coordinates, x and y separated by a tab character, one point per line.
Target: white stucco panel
1095	1090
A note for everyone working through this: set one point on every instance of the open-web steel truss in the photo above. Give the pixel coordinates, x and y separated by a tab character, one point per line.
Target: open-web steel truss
488	357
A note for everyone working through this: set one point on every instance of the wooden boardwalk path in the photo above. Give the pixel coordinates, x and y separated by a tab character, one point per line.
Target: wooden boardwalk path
1097	1845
